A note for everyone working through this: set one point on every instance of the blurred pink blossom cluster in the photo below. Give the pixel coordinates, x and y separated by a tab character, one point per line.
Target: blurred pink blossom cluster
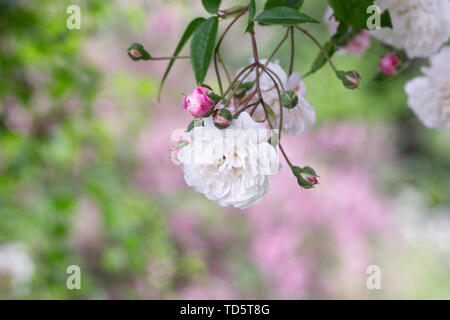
297	235
157	172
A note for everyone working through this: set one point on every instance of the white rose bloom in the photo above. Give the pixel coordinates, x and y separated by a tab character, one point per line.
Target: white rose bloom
16	266
429	96
420	27
296	120
232	171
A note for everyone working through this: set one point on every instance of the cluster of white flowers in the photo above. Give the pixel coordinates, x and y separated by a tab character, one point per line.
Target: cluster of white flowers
429	95
231	166
296	120
16	267
419	27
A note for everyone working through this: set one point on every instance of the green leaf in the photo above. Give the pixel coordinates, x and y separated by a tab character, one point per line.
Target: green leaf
386	21
296	4
211	5
343	35
202	47
250	26
321	60
284	16
243	88
184	39
195	123
252	9
354	13
269	110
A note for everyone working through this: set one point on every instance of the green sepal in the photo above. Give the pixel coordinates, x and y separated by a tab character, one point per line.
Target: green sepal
194	124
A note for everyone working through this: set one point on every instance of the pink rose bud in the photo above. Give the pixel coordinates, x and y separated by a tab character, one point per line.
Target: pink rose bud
198	103
350	79
137	52
389	63
222	118
311	179
306	177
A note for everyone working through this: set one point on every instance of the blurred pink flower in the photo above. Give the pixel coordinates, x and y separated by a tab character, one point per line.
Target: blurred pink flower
297	234
164	22
389	63
214	289
157	172
359	43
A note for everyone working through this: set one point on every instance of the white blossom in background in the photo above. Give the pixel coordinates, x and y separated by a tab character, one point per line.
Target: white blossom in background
296	120
429	95
232	171
16	267
420	27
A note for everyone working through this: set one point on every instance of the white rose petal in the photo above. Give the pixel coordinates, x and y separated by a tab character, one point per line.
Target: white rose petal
420	27
236	174
429	96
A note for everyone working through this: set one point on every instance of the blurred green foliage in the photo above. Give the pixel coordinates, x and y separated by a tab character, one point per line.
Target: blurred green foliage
67	157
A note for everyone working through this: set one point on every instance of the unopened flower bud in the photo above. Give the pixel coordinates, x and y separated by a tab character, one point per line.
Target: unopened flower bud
198	103
306	177
389	63
137	52
289	99
350	79
222	118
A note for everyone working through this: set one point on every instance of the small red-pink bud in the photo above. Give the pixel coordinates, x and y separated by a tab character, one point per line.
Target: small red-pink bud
389	63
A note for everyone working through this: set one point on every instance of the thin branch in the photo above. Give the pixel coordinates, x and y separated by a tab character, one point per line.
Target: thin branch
322	49
280	103
219	56
291	65
237	85
285	156
219	43
170	58
237	78
278	47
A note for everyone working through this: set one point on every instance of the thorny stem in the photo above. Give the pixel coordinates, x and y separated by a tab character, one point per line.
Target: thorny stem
280	103
238	84
322	49
278	47
170	58
219	56
285	156
245	108
237	78
219	43
275	75
258	89
291	65
223	14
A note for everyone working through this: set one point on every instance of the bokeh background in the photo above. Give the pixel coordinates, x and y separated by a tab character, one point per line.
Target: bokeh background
86	177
